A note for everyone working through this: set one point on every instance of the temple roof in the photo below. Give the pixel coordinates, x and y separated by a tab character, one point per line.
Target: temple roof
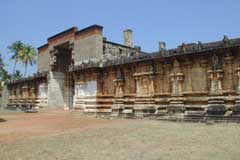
184	49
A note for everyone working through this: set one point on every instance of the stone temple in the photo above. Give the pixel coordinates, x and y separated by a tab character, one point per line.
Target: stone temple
81	70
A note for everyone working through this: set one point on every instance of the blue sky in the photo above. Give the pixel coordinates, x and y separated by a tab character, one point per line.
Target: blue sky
172	21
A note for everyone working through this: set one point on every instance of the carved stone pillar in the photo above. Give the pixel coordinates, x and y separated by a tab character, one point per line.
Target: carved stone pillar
177	82
189	76
33	92
203	64
18	93
238	76
180	82
215	81
161	83
118	104
25	91
137	85
219	79
100	81
151	87
174	84
229	75
119	84
236	108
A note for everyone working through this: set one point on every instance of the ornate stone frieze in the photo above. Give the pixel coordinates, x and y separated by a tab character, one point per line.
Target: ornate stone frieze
144	83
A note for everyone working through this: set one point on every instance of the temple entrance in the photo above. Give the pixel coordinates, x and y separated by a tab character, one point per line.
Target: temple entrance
61	85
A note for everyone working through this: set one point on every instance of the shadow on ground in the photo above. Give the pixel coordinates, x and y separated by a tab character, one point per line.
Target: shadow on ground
2	120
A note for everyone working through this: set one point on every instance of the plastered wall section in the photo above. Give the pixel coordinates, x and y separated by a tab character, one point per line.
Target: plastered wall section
88	47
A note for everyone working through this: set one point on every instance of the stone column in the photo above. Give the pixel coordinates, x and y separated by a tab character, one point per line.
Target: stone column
238	76
216	81
33	92
119	84
137	85
161	83
229	76
219	79
189	77
174	84
213	83
203	64
177	80
25	91
151	87
179	77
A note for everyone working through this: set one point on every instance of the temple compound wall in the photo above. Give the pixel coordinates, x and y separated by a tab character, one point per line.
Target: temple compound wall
82	70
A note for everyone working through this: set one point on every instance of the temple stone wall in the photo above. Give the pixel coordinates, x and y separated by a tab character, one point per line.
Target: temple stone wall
4	97
44	59
179	87
88	47
56	90
89	73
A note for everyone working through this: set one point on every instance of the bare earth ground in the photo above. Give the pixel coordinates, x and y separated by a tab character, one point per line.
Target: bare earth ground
70	136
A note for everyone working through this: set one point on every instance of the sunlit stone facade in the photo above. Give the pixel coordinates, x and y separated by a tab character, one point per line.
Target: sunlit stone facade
82	70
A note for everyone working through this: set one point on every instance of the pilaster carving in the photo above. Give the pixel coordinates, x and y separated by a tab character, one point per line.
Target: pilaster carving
119	83
238	76
204	64
33	92
161	78
188	65
215	81
145	82
25	89
42	92
229	75
176	79
215	76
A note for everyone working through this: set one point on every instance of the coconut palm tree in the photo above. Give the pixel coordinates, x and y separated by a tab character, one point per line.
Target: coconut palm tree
15	48
28	56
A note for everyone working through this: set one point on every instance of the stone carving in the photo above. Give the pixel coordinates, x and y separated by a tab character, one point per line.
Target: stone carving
83	89
42	91
145	80
228	60
215	81
216	62
238	76
215	76
144	84
176	79
119	83
33	92
226	40
25	89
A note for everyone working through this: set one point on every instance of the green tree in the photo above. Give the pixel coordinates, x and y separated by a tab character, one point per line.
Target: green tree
4	76
28	56
15	48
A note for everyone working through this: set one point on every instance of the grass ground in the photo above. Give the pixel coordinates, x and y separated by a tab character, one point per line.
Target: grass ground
69	136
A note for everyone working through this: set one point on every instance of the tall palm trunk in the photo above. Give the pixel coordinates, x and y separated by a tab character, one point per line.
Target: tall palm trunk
25	73
14	68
